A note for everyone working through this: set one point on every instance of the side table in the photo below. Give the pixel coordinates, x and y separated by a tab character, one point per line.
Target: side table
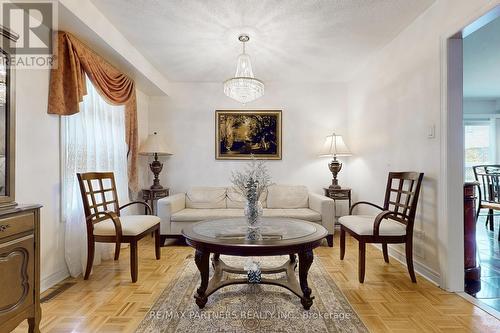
339	194
150	196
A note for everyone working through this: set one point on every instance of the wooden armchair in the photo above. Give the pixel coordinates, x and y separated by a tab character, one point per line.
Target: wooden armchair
104	223
488	177
393	225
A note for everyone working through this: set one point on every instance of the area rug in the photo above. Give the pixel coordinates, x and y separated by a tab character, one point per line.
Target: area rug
251	308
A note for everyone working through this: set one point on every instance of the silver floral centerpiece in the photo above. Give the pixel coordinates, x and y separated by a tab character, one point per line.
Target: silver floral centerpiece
252	182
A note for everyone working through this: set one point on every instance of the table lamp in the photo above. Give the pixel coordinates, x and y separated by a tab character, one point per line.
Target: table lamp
156	146
335	146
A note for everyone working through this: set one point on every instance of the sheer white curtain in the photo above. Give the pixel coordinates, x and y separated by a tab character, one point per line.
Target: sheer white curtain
92	140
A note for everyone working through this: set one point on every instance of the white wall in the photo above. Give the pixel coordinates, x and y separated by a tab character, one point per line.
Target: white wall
393	101
38	165
187	119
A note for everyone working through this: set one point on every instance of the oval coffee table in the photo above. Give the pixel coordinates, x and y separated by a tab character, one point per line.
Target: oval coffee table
281	236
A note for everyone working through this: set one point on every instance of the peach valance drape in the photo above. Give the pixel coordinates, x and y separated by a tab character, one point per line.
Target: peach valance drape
67	88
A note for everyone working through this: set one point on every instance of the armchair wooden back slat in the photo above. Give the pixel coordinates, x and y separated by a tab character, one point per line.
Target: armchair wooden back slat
104	203
401	196
409	196
402	191
397	205
398	198
94	188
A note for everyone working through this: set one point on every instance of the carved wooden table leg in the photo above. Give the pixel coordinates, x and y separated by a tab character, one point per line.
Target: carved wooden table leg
34	325
305	262
202	262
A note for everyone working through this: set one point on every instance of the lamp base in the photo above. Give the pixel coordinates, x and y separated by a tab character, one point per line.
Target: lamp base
156	187
335	166
156	167
334	187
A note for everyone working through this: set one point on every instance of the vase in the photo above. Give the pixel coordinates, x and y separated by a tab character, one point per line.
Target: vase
253	213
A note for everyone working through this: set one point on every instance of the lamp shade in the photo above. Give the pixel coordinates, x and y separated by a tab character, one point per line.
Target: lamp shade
155	144
334	146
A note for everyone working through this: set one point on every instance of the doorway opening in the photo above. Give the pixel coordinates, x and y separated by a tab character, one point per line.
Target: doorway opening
481	130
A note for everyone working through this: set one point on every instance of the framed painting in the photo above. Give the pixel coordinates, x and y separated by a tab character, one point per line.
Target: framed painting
241	134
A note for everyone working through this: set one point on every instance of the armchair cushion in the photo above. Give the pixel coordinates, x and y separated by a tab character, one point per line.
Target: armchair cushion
363	225
132	225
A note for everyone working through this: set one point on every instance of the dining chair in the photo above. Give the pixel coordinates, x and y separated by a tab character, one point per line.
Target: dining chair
105	224
393	225
488	177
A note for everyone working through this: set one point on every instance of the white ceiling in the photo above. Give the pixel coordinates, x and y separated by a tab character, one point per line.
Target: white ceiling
482	62
291	40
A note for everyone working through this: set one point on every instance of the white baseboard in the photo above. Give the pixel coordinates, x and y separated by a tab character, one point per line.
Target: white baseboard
420	268
53	279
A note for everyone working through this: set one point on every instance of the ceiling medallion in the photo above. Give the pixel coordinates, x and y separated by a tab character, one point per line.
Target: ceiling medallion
244	87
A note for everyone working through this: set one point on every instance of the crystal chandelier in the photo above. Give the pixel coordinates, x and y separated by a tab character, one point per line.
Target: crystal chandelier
244	87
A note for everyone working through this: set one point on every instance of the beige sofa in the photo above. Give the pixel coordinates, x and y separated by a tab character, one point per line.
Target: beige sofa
207	203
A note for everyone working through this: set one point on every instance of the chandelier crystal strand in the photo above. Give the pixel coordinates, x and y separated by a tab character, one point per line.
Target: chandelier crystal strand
244	87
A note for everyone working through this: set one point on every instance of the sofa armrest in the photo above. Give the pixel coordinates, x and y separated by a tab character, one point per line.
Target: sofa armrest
168	206
326	207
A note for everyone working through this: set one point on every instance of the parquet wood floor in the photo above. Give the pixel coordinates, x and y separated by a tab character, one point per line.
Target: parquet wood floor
386	302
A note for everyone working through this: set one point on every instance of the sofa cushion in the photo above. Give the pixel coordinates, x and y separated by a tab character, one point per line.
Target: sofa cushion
132	225
296	213
286	196
206	197
236	200
192	215
363	225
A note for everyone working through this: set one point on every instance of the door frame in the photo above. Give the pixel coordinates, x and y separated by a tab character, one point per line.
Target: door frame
450	230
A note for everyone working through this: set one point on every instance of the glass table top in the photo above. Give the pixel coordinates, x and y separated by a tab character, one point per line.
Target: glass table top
271	229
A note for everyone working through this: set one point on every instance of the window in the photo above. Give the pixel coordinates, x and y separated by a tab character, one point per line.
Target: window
479	142
92	140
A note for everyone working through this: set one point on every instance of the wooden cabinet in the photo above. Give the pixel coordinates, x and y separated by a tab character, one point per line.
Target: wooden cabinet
20	267
19	225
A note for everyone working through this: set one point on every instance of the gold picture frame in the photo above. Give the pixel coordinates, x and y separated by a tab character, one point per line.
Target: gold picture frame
241	134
